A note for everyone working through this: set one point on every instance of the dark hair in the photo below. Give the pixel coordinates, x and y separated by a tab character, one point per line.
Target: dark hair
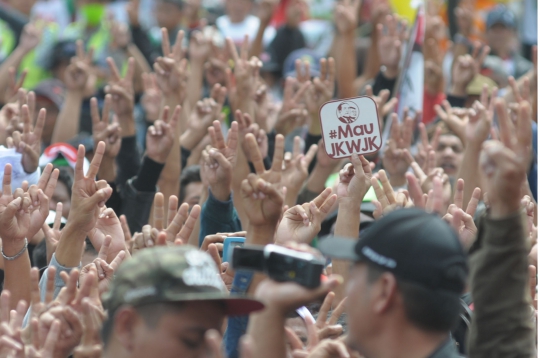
429	310
191	174
66	177
39	256
150	313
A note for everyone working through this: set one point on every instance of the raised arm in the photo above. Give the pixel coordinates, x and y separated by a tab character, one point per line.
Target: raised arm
346	20
76	77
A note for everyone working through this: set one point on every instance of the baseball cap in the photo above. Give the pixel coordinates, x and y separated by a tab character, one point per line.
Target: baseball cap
475	87
415	246
500	14
173	274
53	90
304	54
61	154
62	51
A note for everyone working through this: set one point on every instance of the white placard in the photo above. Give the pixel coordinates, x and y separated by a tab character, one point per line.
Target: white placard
350	126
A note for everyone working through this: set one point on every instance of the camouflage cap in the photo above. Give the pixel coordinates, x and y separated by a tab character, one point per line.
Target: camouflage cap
172	274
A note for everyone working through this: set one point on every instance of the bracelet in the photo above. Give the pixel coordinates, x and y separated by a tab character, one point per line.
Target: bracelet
18	254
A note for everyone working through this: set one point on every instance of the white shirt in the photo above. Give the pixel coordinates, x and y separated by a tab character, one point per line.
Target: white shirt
249	26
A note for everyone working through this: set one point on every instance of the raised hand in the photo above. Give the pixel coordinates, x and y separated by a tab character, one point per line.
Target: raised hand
52	235
151	99
322	88
90	346
394	156
387	199
479	125
160	136
102	130
245	74
199	47
384	103
78	72
463	220
263	201
220	160
327	326
295	169
14	85
354	180
504	164
455	118
123	95
203	115
390	39
293	113
425	156
302	223
171	69
108	224
465	68
105	271
88	196
30	37
29	142
346	16
16	214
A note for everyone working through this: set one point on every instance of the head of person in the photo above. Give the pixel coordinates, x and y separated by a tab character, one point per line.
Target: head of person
49	95
163	301
449	151
306	56
62	192
92	11
191	186
238	10
169	13
60	59
409	271
501	30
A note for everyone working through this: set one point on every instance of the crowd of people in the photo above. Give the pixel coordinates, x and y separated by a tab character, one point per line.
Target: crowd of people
139	138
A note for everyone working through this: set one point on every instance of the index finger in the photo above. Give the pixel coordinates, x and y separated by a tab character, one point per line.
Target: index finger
165	44
232	138
256	157
232	50
387	187
159	211
277	162
473	203
325	308
94	112
115	74
96	160
6	181
177	49
458	195
130	70
80	50
40	122
104	250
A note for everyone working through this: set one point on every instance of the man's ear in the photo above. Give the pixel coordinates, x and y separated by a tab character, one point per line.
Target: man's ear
126	323
386	293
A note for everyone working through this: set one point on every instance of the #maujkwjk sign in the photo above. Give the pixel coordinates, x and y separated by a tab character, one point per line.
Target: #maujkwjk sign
350	126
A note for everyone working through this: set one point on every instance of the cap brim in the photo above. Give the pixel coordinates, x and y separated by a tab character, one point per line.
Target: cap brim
339	248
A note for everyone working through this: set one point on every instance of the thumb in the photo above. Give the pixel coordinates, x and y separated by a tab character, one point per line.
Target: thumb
220	158
13	207
101	196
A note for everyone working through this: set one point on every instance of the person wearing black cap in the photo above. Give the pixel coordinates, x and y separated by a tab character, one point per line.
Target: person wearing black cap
404	289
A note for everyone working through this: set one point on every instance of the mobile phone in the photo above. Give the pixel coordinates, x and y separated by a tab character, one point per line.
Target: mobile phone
229	244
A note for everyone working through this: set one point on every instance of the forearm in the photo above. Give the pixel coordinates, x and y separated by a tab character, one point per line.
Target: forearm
16	273
13	60
346	65
195	82
267	329
347	225
141	64
169	182
256	47
107	170
259	235
318	177
70	247
502	323
240	172
67	124
468	171
194	237
373	62
314	125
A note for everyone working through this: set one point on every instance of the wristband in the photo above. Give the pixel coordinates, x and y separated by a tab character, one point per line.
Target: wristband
18	254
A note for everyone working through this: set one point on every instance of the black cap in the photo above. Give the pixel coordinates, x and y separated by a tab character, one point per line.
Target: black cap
415	246
500	14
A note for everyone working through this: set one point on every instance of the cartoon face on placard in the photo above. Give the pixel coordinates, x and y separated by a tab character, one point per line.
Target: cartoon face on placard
350	126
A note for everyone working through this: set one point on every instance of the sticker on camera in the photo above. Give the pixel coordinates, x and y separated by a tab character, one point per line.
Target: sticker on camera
350	126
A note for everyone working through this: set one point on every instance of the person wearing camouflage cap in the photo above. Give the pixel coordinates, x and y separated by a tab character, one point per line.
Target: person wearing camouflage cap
164	300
